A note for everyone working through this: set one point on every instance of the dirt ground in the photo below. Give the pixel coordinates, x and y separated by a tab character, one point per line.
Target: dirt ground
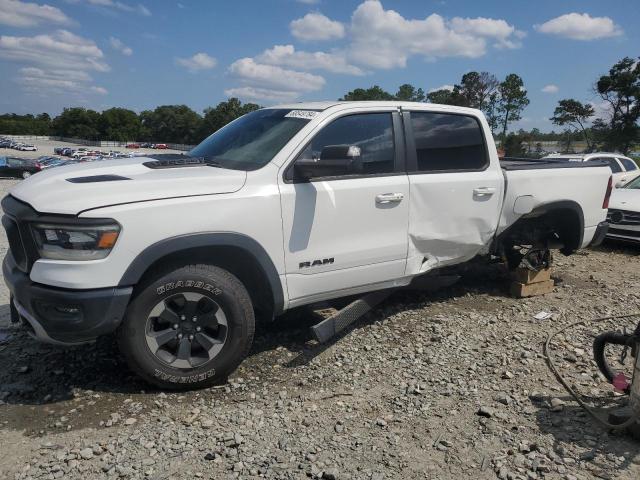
444	385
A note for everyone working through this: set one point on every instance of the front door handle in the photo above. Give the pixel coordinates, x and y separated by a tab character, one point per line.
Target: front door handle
484	191
385	198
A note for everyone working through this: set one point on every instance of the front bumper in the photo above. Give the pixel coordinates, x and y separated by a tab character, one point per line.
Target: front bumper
63	316
601	232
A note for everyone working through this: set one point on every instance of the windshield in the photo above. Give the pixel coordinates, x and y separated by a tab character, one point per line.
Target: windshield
253	140
635	184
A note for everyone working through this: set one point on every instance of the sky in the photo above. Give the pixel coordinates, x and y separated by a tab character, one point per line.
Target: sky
140	54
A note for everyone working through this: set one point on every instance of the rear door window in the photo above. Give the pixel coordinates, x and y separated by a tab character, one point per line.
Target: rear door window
628	164
613	163
447	142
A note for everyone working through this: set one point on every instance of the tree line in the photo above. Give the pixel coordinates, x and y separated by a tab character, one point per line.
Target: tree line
166	123
615	128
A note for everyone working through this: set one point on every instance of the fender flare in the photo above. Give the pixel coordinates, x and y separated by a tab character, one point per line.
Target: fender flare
171	245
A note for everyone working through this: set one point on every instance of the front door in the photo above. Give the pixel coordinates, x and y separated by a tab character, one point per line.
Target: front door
347	231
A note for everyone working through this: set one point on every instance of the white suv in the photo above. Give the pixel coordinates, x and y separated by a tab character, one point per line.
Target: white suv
623	168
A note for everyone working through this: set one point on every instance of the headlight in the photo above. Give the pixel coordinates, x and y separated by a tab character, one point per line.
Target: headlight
71	242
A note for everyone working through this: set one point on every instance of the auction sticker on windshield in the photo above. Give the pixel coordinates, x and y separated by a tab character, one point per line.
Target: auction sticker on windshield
305	114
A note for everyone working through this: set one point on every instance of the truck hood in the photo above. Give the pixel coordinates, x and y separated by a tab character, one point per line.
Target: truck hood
625	199
113	182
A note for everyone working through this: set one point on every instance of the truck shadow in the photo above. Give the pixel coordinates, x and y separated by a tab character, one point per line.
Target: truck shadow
578	437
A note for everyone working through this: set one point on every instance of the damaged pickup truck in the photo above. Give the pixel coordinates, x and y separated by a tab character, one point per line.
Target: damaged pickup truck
284	207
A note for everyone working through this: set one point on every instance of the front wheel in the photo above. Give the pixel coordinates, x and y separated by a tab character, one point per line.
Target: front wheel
188	328
26	174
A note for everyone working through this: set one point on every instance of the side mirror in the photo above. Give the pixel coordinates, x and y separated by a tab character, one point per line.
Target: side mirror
334	160
620	184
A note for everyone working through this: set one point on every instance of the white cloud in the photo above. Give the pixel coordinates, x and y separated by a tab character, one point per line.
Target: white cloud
580	27
61	48
197	62
309	2
39	81
504	35
116	5
273	77
271	82
255	93
385	39
315	26
117	44
441	87
551	88
288	56
23	14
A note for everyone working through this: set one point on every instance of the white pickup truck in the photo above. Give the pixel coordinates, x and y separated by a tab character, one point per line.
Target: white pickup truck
286	206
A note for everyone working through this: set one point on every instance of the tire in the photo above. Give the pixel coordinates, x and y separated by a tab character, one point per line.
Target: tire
215	350
26	174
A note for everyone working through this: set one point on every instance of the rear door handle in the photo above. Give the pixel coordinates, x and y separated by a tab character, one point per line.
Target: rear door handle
484	191
384	198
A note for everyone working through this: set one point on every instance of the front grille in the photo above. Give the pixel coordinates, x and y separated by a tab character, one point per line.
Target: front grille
16	244
623	232
623	217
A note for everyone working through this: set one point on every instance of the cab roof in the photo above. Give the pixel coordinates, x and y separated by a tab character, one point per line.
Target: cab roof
320	106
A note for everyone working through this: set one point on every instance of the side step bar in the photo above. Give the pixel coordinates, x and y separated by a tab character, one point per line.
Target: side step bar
336	323
341	319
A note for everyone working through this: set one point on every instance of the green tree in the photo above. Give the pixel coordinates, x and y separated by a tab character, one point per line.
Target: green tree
513	100
217	117
119	124
77	122
372	93
409	93
513	145
444	96
575	114
171	124
476	89
14	124
620	89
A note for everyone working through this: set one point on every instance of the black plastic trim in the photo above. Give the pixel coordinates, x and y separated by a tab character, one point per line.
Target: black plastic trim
100	310
180	243
601	231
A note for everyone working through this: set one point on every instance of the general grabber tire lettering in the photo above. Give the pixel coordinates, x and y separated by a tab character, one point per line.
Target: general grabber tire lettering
188	327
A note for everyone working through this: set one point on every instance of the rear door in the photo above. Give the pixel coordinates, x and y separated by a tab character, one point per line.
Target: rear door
345	232
456	191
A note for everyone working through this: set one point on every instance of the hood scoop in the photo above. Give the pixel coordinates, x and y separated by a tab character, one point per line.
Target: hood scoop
97	178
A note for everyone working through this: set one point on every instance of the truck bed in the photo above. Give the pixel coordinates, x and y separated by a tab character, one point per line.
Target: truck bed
514	163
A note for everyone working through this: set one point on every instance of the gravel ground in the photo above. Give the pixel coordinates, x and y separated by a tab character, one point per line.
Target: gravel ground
443	385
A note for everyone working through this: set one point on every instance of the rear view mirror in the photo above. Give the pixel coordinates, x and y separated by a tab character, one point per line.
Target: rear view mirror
335	160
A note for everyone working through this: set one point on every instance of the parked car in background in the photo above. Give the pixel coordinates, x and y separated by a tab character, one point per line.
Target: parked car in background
18	167
50	162
58	150
5	143
133	145
624	213
27	148
623	168
146	145
67	152
160	146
